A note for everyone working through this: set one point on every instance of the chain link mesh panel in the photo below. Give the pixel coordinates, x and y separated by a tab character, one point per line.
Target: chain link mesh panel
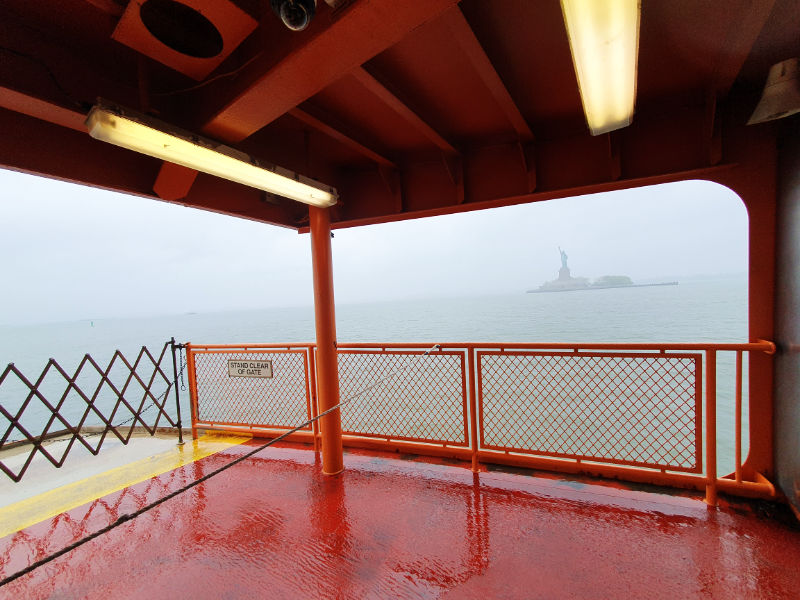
632	409
425	400
280	401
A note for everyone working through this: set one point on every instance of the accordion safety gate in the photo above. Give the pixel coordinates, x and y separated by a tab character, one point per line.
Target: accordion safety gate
638	412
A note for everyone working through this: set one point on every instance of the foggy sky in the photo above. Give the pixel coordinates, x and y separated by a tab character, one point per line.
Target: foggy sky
71	252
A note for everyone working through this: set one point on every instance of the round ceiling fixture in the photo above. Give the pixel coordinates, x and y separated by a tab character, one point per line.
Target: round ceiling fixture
181	28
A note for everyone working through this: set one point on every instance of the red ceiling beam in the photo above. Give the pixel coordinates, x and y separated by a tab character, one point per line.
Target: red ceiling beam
174	182
336	134
387	97
36	146
473	51
42	109
367	28
709	173
108	6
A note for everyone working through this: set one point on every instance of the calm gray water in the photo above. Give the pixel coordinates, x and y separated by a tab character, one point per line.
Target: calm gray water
713	310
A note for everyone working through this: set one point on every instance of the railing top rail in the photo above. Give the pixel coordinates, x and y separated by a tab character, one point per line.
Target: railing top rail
759	346
302	345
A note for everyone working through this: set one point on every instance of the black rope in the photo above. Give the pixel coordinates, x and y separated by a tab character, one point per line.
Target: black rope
196	482
144	509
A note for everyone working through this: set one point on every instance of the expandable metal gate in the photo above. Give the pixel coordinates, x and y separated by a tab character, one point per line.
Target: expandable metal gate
88	405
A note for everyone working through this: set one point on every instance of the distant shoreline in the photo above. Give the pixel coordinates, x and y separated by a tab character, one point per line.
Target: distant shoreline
602	287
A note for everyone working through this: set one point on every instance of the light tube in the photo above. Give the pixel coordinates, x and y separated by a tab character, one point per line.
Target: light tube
604	40
127	129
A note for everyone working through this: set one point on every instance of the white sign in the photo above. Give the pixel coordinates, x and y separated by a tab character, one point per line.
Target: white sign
250	368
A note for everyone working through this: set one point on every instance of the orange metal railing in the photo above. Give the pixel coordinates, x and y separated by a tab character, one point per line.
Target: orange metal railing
622	408
425	401
222	399
639	412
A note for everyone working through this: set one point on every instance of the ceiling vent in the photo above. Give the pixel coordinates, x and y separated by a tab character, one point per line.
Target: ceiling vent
191	36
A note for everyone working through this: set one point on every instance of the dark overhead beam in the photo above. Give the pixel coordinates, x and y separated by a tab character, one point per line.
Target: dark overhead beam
709	173
174	182
741	36
36	146
42	109
389	99
108	6
337	134
655	150
473	51
366	29
712	131
43	66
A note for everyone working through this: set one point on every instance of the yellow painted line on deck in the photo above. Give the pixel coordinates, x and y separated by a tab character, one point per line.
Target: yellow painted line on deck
33	510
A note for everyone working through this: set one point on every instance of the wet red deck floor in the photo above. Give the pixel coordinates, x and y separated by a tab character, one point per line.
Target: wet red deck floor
274	526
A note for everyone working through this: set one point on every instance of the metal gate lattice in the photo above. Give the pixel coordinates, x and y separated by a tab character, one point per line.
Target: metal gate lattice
424	401
631	409
280	401
84	406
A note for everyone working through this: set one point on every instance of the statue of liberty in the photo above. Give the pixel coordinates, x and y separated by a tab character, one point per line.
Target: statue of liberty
564	258
563	272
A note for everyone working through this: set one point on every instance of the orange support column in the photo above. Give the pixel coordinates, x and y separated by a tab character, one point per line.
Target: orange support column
327	366
711	427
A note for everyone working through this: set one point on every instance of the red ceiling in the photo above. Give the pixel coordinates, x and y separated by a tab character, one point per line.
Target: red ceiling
412	107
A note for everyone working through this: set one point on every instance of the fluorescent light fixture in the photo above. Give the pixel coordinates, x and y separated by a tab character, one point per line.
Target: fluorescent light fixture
604	40
140	133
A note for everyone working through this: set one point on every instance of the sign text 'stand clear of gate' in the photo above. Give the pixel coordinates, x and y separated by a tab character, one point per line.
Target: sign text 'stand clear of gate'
250	368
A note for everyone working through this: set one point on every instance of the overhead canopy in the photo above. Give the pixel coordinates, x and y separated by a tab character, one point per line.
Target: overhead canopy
408	108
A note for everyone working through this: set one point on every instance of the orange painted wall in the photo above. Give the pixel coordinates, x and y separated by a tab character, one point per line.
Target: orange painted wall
753	150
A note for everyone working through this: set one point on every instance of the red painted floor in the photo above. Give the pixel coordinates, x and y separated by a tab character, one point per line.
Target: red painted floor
275	527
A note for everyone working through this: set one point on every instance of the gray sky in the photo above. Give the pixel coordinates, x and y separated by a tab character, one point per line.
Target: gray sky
72	252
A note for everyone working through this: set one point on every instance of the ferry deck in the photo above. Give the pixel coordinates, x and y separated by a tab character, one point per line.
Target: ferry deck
346	113
388	527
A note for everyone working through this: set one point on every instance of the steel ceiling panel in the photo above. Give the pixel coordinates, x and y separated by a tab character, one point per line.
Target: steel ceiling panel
351	103
436	78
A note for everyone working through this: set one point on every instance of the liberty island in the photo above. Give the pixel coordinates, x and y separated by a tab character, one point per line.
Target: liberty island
567	283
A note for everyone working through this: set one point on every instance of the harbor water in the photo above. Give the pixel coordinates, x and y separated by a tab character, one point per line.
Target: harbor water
696	311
